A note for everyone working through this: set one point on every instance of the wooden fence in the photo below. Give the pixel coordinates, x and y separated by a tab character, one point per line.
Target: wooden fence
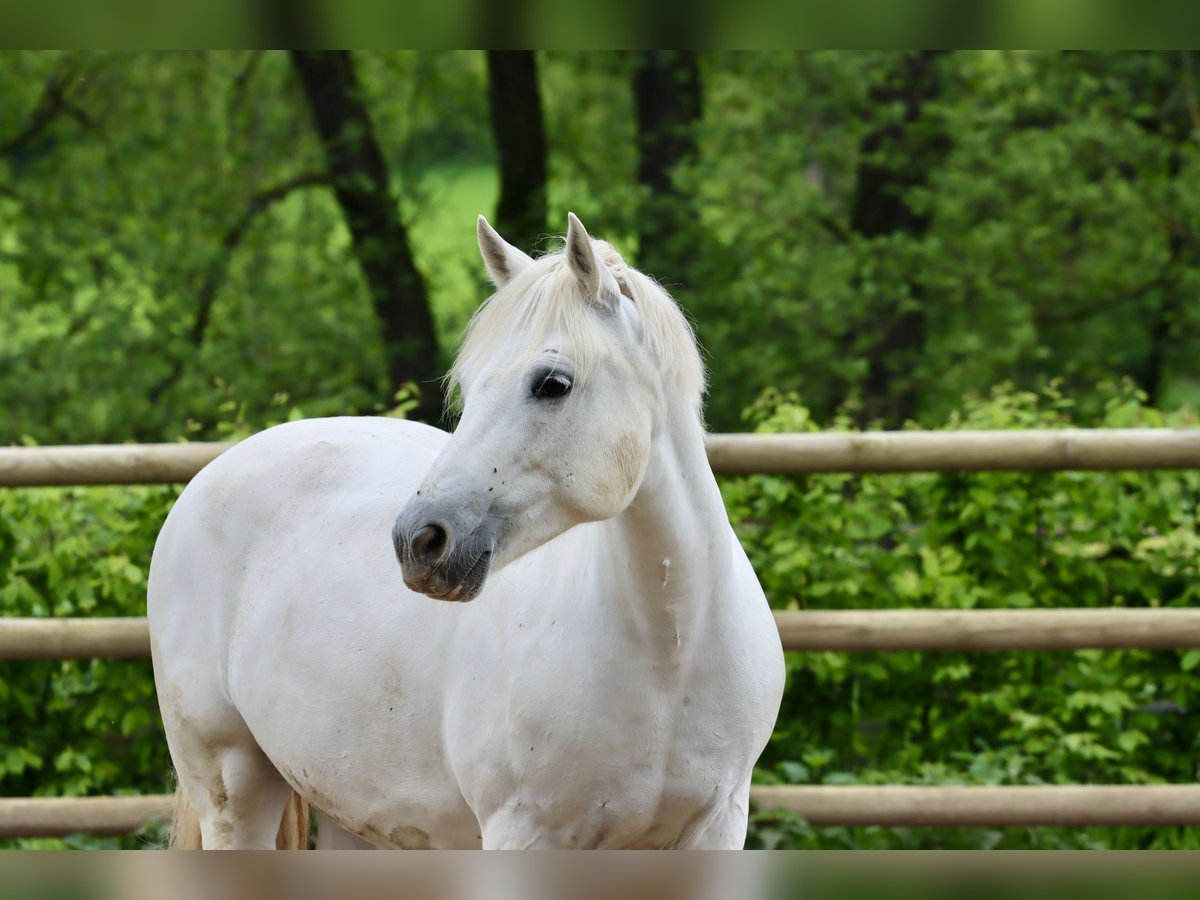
854	629
729	454
1157	805
862	630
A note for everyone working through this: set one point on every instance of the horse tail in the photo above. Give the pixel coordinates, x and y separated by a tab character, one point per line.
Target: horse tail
185	824
293	829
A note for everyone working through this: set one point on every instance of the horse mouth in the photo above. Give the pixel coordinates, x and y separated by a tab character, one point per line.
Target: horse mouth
470	584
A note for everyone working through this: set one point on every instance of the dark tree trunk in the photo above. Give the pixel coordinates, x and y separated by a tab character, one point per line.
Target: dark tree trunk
668	103
1173	295
516	108
360	182
896	158
1173	122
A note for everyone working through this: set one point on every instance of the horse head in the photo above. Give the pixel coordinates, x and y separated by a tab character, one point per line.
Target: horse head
567	373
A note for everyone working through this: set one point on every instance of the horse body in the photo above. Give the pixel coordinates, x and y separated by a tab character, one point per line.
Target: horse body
610	685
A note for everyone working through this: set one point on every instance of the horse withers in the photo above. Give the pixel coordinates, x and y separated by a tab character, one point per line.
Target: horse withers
573	650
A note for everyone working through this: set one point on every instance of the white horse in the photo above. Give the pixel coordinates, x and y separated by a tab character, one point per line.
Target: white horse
617	672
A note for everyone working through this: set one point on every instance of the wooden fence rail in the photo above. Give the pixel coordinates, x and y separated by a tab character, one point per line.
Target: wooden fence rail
877	452
990	629
105	464
858	629
955	451
55	816
729	454
99	638
1024	805
821	805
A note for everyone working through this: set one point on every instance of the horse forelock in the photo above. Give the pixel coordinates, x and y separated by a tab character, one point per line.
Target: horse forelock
546	297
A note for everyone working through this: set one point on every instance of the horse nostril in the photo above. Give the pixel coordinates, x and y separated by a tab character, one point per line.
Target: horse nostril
429	545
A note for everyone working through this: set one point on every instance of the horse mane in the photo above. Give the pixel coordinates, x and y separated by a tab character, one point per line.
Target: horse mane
546	295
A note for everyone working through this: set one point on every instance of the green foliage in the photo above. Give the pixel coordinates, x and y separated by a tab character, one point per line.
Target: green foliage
75	728
1047	228
967	541
1043	224
115	222
1059	236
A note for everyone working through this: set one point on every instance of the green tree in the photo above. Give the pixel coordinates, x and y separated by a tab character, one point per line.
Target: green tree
360	181
520	136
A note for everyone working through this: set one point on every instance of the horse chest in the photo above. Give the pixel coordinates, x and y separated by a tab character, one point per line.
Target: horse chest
632	747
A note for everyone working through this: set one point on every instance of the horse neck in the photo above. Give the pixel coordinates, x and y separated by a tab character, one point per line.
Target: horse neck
673	540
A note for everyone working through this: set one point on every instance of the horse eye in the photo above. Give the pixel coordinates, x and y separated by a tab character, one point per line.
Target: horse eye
552	386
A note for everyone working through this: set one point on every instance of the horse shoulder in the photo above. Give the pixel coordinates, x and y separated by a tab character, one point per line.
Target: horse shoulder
260	499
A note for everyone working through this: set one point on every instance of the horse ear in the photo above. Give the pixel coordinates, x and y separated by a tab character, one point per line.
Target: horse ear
502	260
595	279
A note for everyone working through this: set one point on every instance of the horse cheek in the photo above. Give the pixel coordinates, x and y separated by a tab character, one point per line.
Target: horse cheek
617	474
628	465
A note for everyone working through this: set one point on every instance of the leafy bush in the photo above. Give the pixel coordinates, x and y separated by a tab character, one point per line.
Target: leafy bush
822	542
82	727
963	541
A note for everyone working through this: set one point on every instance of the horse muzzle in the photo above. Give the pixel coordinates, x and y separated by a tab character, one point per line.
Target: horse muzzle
442	559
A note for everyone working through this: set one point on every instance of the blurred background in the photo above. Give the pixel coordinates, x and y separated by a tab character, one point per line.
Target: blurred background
199	244
880	232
